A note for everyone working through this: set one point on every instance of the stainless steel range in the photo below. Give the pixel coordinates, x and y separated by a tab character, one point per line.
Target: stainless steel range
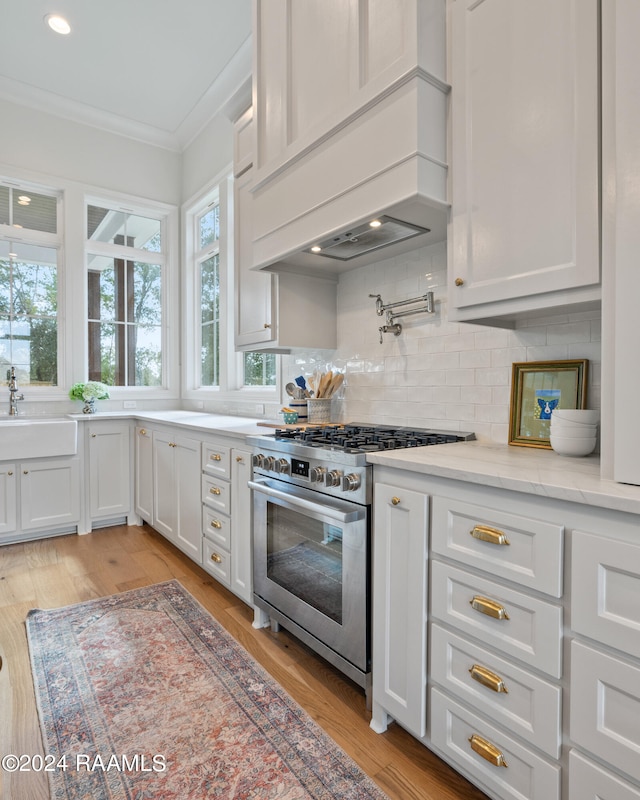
312	491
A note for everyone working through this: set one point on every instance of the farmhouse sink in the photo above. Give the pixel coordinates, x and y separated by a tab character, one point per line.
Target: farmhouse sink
24	437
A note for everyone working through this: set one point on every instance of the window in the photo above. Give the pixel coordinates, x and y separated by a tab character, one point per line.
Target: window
125	266
29	246
209	295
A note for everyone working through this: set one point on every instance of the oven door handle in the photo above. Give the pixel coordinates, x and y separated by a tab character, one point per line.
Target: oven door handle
317	510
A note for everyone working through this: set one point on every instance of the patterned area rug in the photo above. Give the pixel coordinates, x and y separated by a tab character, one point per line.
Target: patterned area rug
143	695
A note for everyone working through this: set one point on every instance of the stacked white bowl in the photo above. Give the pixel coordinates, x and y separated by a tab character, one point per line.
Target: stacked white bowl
574	431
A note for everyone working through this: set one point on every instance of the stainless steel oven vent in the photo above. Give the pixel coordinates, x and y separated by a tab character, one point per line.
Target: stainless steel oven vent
373	235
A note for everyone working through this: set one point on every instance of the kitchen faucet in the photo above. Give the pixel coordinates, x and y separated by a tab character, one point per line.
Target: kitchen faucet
13	395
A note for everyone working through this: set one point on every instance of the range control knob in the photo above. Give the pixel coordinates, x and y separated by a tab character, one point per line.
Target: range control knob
333	478
258	460
269	463
351	482
283	466
317	474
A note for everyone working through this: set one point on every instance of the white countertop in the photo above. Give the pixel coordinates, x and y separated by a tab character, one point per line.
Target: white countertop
522	469
190	420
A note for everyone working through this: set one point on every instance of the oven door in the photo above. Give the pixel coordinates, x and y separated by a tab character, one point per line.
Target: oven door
311	563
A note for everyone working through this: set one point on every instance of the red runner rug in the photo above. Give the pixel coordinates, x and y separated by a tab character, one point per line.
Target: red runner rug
144	696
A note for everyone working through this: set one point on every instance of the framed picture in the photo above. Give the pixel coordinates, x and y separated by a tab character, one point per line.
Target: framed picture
537	387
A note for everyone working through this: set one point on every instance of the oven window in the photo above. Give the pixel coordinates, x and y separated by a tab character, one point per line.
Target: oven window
304	556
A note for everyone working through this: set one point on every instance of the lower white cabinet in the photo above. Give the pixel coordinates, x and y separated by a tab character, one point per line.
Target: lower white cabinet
176	470
49	493
109	469
399	608
241	513
589	781
143	484
8	500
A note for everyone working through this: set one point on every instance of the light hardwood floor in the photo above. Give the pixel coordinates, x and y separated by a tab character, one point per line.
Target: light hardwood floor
69	569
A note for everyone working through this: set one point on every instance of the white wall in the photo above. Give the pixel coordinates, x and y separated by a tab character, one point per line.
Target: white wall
38	142
439	374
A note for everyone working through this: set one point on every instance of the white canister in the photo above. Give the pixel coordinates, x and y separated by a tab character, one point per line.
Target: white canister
319	409
301	407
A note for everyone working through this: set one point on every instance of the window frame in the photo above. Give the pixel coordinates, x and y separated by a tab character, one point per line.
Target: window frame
54	241
168	218
231	386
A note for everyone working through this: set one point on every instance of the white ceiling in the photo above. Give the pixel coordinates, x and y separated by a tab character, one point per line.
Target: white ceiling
157	70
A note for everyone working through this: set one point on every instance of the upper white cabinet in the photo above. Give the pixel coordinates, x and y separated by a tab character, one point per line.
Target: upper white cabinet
273	313
350	112
524	229
621	236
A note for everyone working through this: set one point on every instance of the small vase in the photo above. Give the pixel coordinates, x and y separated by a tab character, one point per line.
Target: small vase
89	406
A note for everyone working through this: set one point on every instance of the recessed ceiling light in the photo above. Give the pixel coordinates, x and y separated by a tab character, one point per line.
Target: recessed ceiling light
316	249
375	223
57	23
23	200
13	255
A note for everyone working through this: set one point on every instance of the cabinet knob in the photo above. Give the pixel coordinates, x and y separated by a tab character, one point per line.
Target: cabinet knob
93	435
215	457
395	501
215	523
487	678
267	325
10	472
216	558
489	607
142	431
487	750
240	459
172	444
459	282
214	490
25	471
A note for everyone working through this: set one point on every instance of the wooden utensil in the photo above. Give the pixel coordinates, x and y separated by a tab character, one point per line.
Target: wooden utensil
335	384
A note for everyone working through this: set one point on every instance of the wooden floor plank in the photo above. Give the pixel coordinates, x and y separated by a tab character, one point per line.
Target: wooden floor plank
70	569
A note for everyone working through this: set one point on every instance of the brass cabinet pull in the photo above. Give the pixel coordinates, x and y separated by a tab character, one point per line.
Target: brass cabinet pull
93	435
25	471
487	750
395	501
459	282
142	432
216	558
489	607
10	472
215	457
172	444
214	490
215	523
266	325
488	534
488	678
239	459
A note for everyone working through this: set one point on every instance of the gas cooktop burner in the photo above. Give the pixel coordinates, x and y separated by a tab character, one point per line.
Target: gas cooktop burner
356	438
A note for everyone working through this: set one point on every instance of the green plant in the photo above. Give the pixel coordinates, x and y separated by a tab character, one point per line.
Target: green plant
92	390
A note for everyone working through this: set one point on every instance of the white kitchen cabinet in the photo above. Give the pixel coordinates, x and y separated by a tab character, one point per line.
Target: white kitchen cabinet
49	493
621	239
177	503
275	313
241	513
589	781
8	502
524	229
143	490
399	662
109	469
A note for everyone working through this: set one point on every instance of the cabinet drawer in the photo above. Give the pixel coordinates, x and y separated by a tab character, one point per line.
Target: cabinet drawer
512	697
605	591
530	630
216	561
605	707
587	781
216	460
526	775
521	549
216	527
216	494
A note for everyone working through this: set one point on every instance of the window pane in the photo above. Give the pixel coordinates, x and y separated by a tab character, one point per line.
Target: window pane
31	346
147	352
120	227
102	353
209	225
210	359
34	288
102	289
210	289
36	212
147	292
259	369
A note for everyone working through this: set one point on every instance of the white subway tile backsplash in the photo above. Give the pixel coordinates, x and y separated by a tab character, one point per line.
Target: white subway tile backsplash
437	374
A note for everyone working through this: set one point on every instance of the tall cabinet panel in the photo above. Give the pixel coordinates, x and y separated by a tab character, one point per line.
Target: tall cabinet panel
524	156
